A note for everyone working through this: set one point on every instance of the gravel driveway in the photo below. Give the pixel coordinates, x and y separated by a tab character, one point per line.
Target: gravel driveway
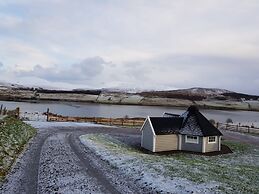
56	162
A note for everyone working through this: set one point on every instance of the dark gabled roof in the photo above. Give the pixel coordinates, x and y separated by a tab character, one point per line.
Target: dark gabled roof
166	114
194	123
166	125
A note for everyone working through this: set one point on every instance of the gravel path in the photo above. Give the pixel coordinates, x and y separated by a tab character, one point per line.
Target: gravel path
56	162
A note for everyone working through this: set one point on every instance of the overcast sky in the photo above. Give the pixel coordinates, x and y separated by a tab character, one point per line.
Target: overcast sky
148	44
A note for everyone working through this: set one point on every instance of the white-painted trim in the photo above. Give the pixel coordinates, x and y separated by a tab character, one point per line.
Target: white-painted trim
219	143
180	142
154	143
151	126
141	138
212	141
186	139
204	141
143	124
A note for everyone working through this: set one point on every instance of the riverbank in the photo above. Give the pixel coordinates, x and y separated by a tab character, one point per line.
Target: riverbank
201	97
114	99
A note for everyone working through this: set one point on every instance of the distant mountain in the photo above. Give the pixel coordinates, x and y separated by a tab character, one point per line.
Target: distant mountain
198	94
10	85
193	94
124	90
203	91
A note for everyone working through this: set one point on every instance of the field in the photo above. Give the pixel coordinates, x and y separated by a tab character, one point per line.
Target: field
181	172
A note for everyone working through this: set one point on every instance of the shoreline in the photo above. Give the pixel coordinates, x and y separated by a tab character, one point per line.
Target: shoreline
202	107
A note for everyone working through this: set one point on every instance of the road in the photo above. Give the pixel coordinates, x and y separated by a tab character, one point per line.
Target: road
56	162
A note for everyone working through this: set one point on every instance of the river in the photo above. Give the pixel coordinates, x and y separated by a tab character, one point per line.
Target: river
106	110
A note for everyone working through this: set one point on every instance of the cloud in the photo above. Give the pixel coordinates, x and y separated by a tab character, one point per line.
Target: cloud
152	44
80	72
1	64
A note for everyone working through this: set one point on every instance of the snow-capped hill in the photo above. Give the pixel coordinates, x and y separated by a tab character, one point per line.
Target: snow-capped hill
206	91
123	90
10	85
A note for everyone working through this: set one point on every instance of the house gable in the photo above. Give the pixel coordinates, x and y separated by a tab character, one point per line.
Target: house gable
147	137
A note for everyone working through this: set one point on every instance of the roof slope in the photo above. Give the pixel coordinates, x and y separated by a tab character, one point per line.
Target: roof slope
195	123
166	125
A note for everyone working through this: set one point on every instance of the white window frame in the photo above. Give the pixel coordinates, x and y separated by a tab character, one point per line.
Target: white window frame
192	139
212	141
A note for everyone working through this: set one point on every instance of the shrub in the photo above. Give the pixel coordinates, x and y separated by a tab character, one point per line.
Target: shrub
229	120
212	121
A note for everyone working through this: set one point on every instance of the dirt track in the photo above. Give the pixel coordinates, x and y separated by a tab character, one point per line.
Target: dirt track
56	162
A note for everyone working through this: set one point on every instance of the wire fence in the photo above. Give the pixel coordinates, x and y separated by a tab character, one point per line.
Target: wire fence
238	128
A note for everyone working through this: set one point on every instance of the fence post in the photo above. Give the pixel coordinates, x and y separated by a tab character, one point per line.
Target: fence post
18	112
47	114
4	111
1	108
248	129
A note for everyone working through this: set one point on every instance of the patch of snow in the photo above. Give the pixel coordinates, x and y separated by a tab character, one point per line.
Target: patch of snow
32	116
42	124
146	176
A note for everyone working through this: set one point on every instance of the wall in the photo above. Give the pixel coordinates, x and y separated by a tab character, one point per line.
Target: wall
191	146
166	142
147	137
211	147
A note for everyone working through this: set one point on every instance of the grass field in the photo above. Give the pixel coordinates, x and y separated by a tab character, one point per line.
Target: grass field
14	134
182	172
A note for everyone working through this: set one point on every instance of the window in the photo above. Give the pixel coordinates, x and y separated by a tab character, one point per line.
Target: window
191	139
212	139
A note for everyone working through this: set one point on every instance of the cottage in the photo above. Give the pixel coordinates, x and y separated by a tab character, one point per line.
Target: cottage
190	131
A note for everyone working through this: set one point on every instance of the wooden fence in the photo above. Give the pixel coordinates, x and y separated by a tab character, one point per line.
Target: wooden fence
135	122
238	128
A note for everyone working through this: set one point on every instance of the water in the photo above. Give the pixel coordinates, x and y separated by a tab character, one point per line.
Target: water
106	110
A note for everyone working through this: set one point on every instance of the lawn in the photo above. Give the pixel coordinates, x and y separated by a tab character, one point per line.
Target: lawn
14	134
237	172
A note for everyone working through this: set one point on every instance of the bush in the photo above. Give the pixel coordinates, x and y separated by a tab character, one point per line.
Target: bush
229	120
212	121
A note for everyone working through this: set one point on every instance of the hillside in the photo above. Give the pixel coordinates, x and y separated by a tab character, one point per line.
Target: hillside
203	97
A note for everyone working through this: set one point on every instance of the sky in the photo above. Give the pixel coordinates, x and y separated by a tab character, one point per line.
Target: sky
143	44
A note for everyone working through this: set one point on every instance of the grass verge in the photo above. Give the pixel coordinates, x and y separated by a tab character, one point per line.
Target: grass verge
14	134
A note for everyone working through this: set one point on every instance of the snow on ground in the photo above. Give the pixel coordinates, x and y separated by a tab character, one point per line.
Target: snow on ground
44	124
182	173
32	116
143	172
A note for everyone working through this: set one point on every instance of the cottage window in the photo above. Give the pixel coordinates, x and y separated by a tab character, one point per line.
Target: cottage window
192	139
212	139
